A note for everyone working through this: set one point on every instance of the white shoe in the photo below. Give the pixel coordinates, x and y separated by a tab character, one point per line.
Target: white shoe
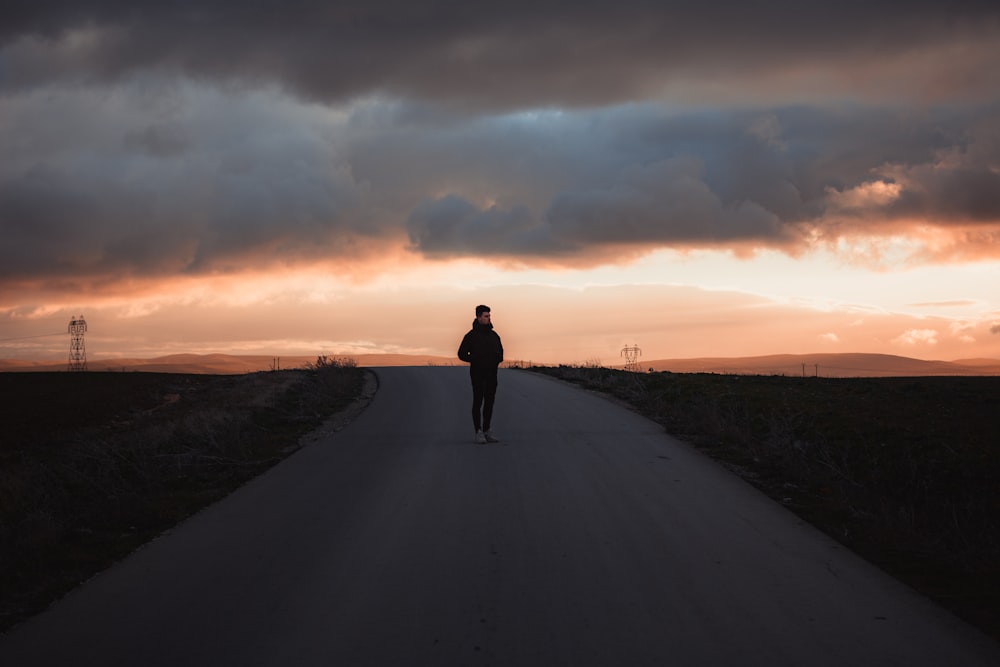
490	437
481	437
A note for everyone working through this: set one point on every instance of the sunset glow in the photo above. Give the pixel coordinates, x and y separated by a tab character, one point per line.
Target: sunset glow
356	182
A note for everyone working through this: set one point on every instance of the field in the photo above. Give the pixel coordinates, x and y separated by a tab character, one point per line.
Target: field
904	471
92	465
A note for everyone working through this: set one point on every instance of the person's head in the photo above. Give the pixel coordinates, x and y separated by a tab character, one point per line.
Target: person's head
483	314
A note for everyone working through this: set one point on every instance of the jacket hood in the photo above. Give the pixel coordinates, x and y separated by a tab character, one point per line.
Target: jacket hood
476	326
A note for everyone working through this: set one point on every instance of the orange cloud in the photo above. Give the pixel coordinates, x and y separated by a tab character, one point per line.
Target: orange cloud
917	337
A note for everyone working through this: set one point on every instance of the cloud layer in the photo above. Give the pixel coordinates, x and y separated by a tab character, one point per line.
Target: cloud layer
162	139
515	54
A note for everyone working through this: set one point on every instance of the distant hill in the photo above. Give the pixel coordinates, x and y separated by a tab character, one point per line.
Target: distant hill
824	365
827	365
223	364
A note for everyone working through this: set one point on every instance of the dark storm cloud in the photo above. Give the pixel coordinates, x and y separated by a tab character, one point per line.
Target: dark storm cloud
208	181
205	187
499	55
965	188
966	195
453	226
153	139
662	203
641	177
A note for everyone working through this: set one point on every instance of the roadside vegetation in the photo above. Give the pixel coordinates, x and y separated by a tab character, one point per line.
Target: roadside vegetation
92	465
904	471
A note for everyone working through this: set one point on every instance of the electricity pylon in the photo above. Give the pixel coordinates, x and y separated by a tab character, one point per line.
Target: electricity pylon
77	348
631	355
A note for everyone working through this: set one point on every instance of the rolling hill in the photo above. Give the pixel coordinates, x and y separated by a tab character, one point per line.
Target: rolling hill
823	365
827	365
223	364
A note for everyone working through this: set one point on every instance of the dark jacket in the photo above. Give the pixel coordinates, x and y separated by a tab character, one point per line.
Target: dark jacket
481	346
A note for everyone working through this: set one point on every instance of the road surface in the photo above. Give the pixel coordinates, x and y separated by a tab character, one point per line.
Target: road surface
588	537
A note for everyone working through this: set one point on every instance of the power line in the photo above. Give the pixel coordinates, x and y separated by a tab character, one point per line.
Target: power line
4	340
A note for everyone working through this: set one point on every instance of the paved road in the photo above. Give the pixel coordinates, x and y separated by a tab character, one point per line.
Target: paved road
589	537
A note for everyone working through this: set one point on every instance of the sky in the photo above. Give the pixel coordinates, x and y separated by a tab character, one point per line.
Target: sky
693	178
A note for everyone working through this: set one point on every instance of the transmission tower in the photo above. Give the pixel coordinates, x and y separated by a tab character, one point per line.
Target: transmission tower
77	348
631	354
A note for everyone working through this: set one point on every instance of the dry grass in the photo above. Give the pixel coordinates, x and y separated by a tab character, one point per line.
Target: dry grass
92	465
902	470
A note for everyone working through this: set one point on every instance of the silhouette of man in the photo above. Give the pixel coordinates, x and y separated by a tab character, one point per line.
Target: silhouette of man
482	350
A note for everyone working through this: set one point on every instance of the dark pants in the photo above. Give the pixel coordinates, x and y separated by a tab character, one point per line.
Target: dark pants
484	392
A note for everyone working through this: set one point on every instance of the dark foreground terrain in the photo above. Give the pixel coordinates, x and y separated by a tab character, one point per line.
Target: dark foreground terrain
904	471
92	465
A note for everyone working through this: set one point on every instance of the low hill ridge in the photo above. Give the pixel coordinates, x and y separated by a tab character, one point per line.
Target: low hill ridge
827	365
821	364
